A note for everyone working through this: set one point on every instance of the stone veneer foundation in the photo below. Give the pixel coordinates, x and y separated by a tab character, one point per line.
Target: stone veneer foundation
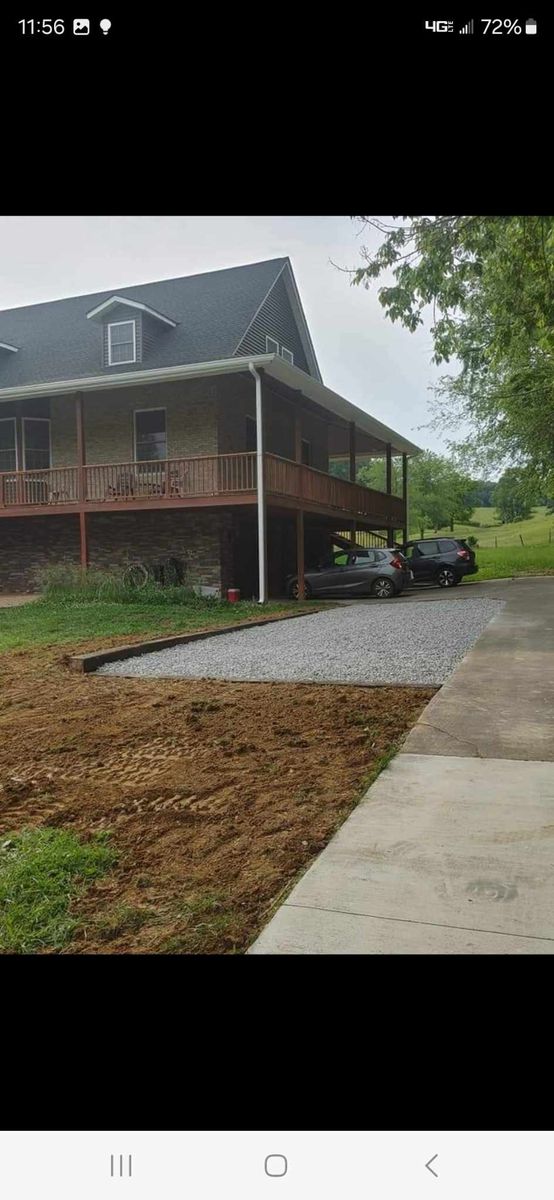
27	545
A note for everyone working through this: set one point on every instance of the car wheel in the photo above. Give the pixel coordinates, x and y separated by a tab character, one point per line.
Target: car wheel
293	590
446	577
383	589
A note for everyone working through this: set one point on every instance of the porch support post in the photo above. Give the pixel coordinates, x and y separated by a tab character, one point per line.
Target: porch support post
81	483
300	554
389	469
79	417
297	436
390	531
83	538
262	523
352	449
405	531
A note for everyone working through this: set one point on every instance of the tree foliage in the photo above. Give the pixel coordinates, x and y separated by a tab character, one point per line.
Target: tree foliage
488	285
438	492
512	496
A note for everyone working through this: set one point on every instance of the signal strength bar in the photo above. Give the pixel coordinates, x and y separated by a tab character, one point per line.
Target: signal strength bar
469	28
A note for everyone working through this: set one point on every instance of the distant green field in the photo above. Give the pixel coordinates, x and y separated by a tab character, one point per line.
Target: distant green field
535	531
513	560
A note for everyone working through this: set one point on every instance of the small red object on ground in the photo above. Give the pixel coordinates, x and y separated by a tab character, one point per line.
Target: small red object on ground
233	594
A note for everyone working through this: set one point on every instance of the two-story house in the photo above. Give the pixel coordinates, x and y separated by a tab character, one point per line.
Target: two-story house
186	417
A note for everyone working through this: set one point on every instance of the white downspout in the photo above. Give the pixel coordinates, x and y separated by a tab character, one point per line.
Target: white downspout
262	531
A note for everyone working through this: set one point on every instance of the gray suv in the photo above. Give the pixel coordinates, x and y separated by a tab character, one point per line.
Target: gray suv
381	573
440	560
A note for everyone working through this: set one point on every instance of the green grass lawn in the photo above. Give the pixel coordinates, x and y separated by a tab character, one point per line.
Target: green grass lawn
41	872
534	531
513	560
52	621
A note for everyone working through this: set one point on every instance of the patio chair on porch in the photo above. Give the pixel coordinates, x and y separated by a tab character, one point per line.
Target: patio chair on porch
125	485
178	480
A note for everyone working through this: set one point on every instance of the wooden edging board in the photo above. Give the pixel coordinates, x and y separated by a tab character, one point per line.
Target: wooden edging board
90	662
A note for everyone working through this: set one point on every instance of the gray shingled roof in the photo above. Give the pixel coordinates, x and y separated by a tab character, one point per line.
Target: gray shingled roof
56	341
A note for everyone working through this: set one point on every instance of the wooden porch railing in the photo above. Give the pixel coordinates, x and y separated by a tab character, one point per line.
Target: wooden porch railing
57	486
202	475
287	478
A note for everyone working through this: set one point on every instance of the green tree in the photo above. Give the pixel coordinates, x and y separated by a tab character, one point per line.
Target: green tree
511	496
437	493
488	286
374	475
481	494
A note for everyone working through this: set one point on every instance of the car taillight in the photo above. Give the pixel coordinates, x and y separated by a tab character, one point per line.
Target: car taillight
462	554
397	563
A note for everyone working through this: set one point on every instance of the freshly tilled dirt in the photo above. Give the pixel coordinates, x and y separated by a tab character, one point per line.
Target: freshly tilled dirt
216	794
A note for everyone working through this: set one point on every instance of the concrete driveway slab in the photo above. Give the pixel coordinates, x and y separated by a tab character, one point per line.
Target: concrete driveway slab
421	846
452	848
313	931
499	703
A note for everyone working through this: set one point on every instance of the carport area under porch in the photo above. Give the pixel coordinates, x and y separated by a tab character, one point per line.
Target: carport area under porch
218	545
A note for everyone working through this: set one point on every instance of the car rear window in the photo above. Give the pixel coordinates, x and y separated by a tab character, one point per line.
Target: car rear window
428	547
447	544
363	557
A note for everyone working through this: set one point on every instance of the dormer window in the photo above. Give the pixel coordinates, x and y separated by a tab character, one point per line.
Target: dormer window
287	355
122	342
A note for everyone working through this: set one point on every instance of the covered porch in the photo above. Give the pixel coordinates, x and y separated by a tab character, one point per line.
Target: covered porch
294	425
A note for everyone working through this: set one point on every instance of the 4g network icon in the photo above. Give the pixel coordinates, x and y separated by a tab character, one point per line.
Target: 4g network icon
440	26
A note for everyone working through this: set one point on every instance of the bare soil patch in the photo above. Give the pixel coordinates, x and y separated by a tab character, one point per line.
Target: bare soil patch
217	794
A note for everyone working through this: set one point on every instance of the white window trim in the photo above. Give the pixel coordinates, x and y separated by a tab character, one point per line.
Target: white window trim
158	408
114	300
269	339
13	420
49	423
122	361
284	353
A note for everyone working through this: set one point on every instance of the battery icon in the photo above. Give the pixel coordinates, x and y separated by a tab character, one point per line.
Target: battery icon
530	26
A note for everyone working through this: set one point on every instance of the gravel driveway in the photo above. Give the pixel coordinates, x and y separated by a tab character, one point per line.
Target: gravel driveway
419	643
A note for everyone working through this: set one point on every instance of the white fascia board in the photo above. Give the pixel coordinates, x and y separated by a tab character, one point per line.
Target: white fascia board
113	300
97	383
5	346
273	364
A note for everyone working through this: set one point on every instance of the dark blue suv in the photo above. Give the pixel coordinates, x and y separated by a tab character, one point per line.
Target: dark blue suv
440	560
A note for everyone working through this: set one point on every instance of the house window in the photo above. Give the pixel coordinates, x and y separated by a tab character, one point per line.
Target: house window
306	451
288	355
150	435
122	342
8	445
36	444
272	347
251	434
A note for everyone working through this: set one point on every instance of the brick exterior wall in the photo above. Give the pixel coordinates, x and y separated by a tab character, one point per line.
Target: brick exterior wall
206	416
237	401
191	423
28	544
202	417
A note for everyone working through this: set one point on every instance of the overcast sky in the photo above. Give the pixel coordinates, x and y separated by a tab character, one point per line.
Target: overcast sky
379	366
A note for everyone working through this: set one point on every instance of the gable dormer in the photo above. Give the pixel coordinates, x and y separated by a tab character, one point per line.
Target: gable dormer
128	330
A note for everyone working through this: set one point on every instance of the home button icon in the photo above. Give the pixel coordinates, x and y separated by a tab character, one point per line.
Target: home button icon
275	1165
